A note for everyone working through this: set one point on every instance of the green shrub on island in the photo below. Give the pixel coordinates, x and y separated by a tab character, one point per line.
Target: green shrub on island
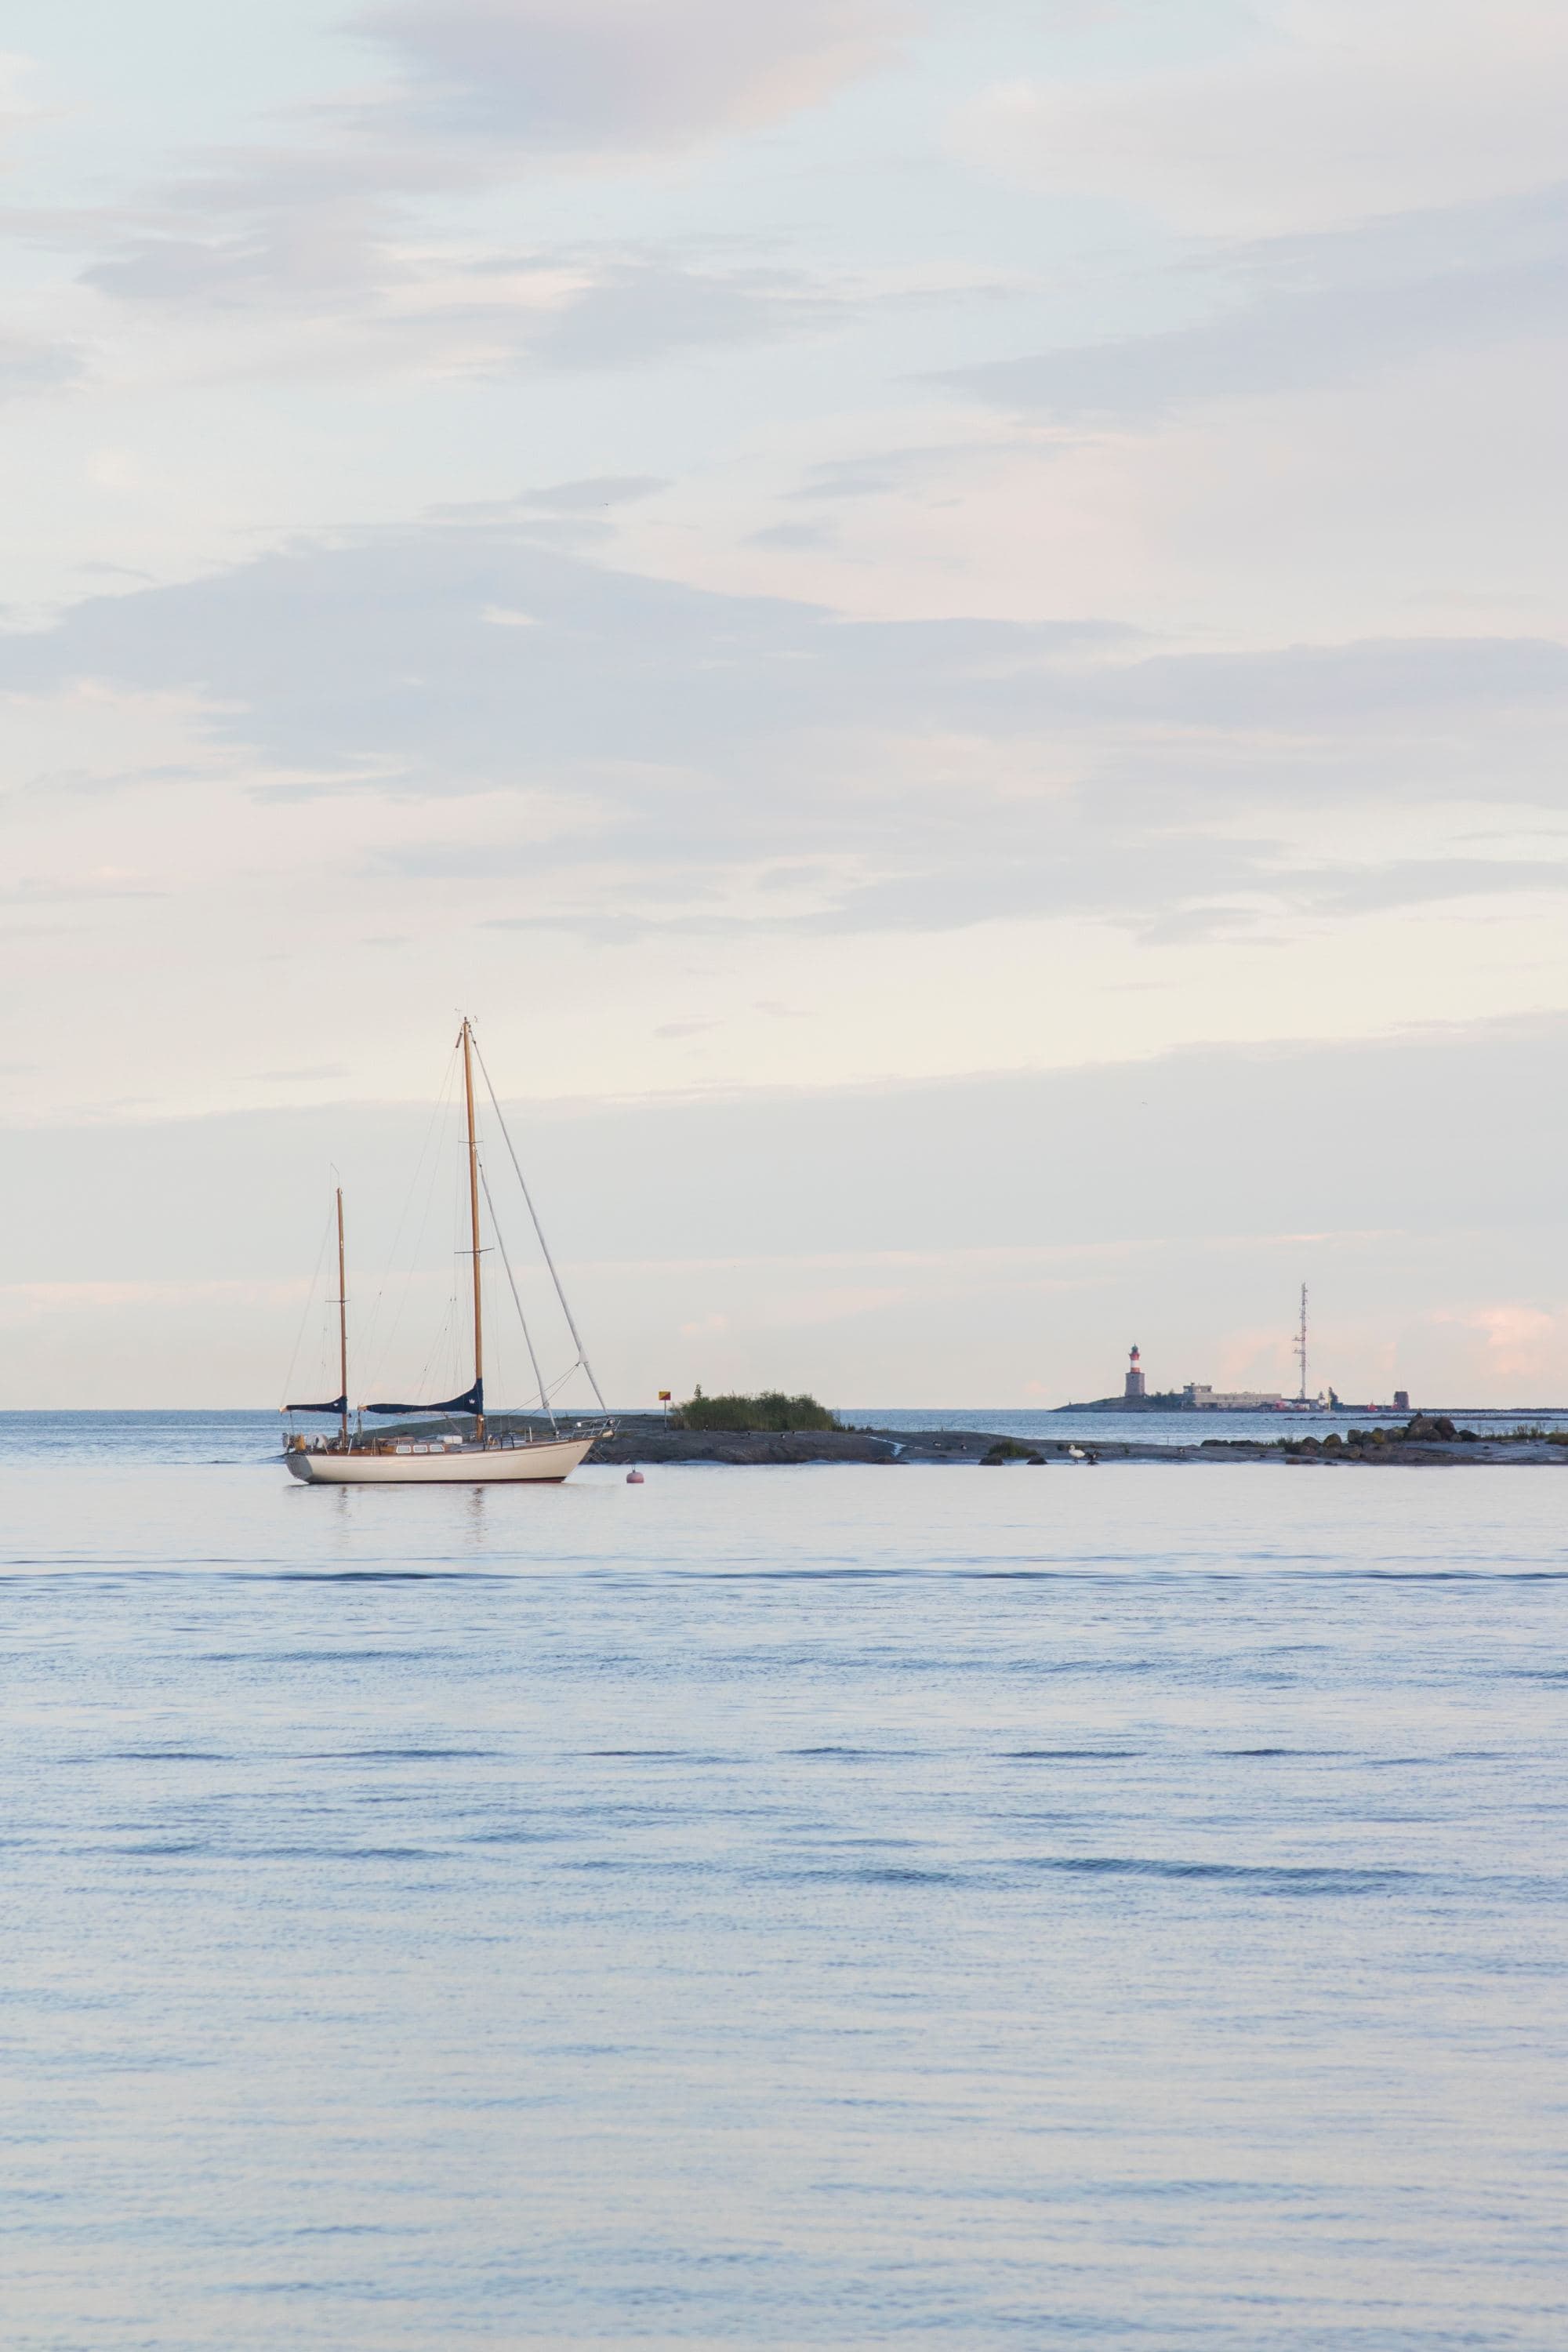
770	1412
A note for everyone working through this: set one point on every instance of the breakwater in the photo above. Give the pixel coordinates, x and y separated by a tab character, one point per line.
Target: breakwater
1421	1442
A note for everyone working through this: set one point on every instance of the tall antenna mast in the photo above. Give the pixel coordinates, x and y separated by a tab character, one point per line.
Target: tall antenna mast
1302	1347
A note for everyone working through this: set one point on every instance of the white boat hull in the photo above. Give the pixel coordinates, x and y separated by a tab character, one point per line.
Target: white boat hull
546	1462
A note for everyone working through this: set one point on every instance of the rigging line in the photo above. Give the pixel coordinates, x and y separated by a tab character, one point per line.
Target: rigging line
444	1339
378	1348
539	1232
309	1302
517	1302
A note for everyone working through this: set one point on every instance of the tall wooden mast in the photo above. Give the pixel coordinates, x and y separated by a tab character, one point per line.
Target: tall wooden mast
342	1322
467	1044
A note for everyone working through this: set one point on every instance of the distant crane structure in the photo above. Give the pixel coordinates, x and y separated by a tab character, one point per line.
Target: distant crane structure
1302	1397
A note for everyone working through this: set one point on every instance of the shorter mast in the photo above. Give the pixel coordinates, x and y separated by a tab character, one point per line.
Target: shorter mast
342	1323
467	1044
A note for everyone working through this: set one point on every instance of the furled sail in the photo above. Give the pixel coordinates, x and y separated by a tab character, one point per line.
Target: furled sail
339	1406
471	1401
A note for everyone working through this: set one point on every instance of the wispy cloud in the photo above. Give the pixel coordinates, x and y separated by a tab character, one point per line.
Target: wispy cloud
636	726
1332	112
30	365
1285	341
618	76
327	223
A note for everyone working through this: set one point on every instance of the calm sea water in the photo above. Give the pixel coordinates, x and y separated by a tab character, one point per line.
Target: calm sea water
847	1907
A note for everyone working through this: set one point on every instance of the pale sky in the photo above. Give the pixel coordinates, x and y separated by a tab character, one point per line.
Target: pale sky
947	621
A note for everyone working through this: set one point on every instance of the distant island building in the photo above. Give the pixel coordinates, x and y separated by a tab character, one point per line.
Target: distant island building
1196	1397
1207	1400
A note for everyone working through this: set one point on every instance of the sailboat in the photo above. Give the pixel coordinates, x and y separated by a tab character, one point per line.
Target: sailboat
485	1457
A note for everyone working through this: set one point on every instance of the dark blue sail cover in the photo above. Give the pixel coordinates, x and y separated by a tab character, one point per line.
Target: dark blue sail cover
339	1406
473	1401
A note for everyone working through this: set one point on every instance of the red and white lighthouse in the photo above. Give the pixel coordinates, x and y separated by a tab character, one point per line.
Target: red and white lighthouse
1134	1377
